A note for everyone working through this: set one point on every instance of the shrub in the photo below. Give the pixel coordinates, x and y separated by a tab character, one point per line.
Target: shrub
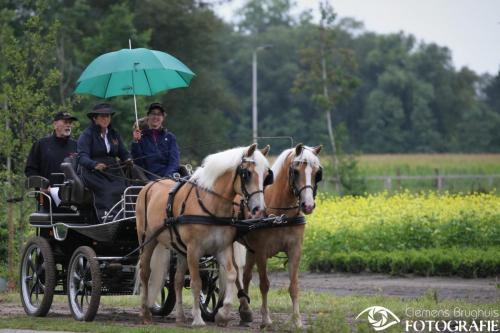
355	263
420	264
399	264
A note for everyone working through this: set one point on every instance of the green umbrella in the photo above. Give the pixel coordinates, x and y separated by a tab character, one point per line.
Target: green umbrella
133	72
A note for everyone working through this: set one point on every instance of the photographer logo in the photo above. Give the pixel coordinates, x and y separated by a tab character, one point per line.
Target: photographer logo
380	318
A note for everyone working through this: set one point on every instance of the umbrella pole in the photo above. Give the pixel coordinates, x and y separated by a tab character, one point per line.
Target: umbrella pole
135	107
135	100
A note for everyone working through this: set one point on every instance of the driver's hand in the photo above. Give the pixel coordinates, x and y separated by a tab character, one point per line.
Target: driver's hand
100	166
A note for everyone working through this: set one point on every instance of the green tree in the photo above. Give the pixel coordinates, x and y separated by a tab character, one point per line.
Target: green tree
259	15
30	76
327	74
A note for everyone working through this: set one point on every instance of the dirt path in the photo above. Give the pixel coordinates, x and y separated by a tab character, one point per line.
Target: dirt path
479	290
471	290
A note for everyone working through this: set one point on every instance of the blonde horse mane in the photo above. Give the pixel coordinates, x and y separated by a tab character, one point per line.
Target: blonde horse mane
217	164
307	155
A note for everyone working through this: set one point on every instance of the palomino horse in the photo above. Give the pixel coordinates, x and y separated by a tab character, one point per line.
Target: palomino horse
296	174
210	193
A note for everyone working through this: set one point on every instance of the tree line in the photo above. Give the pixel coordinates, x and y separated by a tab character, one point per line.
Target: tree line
388	93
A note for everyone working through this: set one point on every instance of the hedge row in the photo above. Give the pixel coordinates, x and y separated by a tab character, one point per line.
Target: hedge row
464	262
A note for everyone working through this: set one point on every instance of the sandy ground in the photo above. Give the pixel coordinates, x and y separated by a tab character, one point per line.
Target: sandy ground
471	290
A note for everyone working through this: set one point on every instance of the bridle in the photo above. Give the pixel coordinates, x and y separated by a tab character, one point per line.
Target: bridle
245	176
293	176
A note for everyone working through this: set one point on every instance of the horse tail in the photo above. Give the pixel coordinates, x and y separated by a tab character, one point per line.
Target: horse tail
160	262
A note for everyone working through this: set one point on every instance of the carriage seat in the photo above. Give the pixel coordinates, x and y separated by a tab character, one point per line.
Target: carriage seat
73	191
43	218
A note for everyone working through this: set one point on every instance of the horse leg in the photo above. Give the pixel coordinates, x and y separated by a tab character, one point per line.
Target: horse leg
227	283
193	261
293	271
245	311
264	289
145	267
180	275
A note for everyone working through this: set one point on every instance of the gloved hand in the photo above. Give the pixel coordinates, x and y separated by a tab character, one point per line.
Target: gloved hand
100	166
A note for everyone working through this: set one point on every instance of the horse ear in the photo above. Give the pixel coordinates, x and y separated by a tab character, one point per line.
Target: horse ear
251	150
298	149
265	150
317	149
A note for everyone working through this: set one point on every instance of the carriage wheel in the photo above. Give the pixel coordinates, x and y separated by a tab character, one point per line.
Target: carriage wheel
37	277
166	301
84	284
210	298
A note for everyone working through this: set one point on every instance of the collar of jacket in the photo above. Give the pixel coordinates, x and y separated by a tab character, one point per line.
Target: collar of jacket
57	139
161	130
97	128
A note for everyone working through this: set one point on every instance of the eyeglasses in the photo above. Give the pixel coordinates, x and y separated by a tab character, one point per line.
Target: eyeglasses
156	114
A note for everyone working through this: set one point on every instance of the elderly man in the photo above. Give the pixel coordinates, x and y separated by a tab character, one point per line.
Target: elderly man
48	153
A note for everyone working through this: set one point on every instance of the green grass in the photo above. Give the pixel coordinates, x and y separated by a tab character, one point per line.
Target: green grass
323	311
423	165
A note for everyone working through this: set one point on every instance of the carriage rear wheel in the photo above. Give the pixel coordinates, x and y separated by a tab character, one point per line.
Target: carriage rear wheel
37	277
210	297
84	284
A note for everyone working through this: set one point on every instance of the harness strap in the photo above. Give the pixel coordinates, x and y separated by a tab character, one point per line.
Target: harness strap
243	294
206	220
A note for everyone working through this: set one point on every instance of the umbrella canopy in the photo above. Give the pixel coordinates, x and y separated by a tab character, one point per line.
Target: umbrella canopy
133	72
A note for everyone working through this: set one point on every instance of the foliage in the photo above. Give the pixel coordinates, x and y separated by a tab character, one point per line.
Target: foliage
343	231
463	262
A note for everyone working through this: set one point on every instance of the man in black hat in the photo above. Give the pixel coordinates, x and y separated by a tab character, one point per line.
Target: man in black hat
48	153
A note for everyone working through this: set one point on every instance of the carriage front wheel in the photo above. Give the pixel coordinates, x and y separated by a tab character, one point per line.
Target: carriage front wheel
37	277
84	284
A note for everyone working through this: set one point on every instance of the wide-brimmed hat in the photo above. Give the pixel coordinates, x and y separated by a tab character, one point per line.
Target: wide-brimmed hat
101	108
62	115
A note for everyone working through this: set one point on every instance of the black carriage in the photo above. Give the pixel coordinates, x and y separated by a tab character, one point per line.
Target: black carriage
76	254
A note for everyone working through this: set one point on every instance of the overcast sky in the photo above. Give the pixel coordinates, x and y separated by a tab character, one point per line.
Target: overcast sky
470	28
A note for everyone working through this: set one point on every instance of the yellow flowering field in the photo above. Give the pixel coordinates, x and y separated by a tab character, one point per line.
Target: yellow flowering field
402	222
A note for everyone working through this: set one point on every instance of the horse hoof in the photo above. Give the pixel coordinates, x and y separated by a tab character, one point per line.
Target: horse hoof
246	316
198	324
220	320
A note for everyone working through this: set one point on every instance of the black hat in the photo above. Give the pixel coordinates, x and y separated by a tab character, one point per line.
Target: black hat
101	108
62	115
155	106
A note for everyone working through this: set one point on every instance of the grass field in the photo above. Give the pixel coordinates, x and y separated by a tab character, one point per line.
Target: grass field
383	165
324	313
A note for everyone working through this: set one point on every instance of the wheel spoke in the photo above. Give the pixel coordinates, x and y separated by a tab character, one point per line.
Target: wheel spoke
81	301
30	263
79	267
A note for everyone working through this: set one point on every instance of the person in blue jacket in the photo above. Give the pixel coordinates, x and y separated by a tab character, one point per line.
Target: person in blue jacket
155	149
98	148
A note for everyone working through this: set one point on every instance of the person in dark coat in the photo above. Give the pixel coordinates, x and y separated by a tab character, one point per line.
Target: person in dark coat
98	148
155	149
48	153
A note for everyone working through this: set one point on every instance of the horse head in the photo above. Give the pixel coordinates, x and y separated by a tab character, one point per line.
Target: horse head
253	174
304	174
